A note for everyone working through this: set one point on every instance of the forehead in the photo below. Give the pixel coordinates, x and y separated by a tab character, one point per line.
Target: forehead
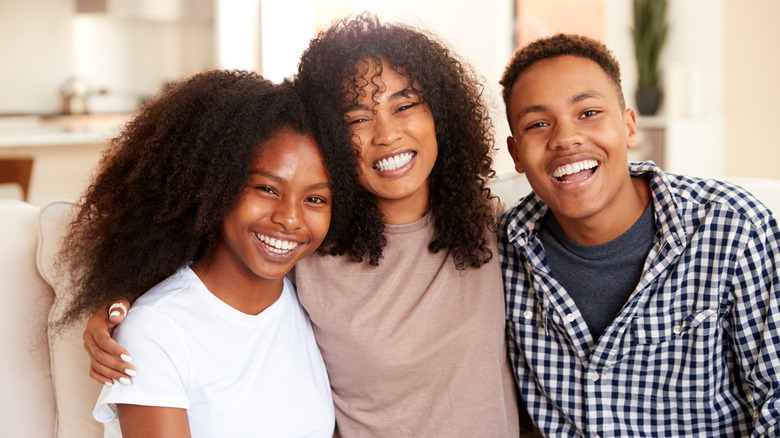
374	75
285	143
560	77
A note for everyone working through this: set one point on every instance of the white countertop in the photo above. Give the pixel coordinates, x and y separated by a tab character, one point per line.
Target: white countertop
17	131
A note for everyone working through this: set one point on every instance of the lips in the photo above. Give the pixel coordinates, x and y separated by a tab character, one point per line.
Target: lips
393	162
275	245
577	171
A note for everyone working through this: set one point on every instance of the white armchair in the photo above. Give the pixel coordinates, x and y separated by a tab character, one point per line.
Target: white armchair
47	391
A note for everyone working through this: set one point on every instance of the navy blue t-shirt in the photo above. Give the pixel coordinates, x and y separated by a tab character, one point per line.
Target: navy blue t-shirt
600	278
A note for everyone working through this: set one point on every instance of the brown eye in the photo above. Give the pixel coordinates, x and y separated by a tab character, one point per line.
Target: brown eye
316	200
356	121
589	113
266	189
407	106
537	125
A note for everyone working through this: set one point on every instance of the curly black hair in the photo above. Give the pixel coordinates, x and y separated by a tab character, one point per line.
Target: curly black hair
559	45
460	201
167	182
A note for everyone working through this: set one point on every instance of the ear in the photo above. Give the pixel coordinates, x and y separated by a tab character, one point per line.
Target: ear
511	145
629	120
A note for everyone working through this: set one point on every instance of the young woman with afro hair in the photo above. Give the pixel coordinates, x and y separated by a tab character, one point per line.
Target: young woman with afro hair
202	205
406	300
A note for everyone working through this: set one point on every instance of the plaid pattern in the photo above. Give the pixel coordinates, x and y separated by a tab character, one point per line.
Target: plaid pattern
694	351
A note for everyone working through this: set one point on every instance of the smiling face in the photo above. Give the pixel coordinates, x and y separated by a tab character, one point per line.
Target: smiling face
570	138
393	131
284	213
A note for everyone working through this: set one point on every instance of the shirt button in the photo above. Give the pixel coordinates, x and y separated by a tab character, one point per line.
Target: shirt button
677	329
594	376
528	314
570	317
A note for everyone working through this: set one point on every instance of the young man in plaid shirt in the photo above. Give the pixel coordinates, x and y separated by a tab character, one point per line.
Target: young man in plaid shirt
639	303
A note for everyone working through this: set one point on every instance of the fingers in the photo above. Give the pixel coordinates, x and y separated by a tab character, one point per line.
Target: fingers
107	375
99	377
109	361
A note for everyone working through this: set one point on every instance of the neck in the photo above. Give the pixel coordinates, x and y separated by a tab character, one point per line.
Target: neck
245	293
404	210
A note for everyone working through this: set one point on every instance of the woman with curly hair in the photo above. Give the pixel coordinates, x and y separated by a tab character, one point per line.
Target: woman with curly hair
202	206
407	303
412	327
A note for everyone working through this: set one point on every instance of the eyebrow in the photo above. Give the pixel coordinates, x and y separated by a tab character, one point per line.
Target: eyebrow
316	186
397	95
579	97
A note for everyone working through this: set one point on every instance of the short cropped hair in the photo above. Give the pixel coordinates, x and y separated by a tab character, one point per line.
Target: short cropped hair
559	45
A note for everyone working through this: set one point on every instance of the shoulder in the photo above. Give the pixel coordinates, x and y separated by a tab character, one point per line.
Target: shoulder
695	196
161	321
169	290
159	306
718	196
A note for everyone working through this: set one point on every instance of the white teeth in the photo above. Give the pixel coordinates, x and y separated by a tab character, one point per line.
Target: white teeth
277	246
394	162
570	169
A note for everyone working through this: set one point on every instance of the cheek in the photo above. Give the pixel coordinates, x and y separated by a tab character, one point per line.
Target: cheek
324	220
428	130
430	144
529	153
318	226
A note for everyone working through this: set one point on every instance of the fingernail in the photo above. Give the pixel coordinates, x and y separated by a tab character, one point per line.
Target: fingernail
115	313
131	372
125	358
108	383
124	380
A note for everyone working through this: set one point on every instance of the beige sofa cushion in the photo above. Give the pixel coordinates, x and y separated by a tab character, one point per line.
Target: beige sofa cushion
27	404
74	390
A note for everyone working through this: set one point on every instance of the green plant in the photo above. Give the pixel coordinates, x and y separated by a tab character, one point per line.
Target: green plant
649	33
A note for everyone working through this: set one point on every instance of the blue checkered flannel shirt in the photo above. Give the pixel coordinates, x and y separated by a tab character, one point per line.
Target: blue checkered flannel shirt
694	351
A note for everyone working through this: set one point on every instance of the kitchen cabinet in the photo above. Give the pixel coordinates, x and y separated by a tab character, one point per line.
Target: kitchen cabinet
151	10
65	150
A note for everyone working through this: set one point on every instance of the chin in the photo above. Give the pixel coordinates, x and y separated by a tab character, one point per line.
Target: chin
575	212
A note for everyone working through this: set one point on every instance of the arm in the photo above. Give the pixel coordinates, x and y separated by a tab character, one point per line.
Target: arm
108	360
756	322
155	404
153	421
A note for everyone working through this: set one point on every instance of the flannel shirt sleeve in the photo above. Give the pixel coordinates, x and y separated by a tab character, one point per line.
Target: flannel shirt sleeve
756	324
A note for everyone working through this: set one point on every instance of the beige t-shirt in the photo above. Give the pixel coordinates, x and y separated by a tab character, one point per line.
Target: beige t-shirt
413	347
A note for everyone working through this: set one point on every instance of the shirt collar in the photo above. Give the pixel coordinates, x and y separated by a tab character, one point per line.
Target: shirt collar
668	211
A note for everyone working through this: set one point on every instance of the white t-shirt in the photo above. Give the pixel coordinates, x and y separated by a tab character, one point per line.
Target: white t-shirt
237	375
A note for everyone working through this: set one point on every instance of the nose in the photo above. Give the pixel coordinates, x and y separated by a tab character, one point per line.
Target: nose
566	135
386	130
287	214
